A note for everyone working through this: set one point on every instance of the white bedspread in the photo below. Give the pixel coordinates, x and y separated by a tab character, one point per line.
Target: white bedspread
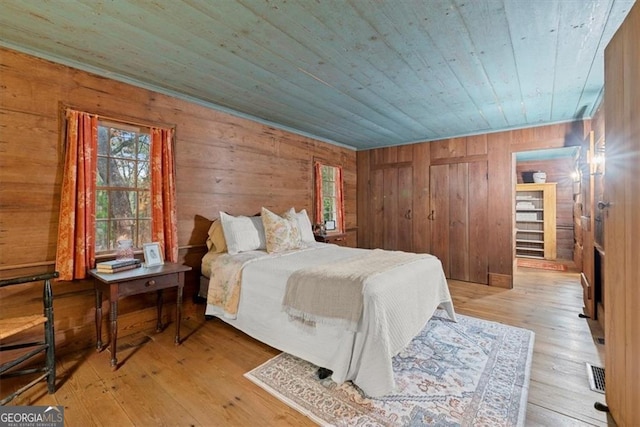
396	305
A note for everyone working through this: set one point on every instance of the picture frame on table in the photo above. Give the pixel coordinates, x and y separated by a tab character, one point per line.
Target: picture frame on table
152	254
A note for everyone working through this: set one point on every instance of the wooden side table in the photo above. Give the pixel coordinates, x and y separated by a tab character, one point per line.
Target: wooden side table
335	238
132	282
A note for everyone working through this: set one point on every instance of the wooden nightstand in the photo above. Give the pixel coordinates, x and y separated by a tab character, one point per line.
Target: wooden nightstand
132	282
335	238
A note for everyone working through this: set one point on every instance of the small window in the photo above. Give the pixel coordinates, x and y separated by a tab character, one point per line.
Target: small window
329	201
123	193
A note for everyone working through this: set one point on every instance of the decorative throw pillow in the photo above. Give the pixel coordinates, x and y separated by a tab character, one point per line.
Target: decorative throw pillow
282	234
215	241
240	233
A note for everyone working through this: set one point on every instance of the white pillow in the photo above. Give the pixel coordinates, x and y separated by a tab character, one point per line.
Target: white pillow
257	223
242	233
304	224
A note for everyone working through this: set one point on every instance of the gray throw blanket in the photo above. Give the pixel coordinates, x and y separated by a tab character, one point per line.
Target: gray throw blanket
332	293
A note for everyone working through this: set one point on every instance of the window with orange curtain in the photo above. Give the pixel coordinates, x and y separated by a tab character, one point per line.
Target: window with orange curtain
118	184
328	195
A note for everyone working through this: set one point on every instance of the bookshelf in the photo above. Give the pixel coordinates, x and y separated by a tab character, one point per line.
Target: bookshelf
536	220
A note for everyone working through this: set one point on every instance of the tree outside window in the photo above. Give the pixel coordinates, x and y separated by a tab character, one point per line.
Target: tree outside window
123	208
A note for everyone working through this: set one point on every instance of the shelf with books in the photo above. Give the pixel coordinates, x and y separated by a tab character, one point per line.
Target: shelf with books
535	218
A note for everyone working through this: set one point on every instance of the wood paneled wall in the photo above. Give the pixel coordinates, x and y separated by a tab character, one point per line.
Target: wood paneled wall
498	149
223	162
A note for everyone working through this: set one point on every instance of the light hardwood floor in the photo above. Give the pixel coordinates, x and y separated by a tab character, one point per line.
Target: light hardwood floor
201	383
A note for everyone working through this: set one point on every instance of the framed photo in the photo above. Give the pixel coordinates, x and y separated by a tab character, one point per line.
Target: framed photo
152	254
330	225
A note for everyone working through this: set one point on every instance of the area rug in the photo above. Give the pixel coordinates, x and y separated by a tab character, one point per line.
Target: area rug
470	373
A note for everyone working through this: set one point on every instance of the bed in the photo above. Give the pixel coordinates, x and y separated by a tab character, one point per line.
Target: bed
396	299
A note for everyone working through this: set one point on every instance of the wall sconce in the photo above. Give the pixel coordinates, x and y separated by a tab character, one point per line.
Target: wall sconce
597	161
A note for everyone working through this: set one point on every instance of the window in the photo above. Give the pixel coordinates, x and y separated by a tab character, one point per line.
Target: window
124	189
123	193
328	198
329	201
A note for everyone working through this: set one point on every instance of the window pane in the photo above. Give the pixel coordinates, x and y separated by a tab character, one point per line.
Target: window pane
144	205
102	236
103	172
122	204
122	173
328	173
121	229
329	190
144	178
102	204
144	144
328	209
144	232
103	141
122	143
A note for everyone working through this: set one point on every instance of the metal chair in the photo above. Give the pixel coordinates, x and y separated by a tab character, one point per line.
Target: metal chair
12	326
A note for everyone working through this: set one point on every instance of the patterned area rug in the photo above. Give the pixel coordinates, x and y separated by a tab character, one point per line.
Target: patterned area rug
469	373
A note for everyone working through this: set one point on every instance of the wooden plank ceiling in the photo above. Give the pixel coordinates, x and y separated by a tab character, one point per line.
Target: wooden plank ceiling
362	73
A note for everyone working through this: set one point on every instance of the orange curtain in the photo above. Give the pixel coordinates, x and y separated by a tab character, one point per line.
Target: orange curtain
164	227
75	251
318	218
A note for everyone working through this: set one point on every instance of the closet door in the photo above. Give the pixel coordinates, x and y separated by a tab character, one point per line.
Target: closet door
403	218
392	203
458	201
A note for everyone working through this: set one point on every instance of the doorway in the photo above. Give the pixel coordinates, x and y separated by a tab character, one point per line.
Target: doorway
560	165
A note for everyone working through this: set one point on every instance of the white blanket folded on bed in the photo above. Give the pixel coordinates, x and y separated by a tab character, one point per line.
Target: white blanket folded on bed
332	293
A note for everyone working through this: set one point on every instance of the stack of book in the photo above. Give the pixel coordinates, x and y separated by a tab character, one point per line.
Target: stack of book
117	265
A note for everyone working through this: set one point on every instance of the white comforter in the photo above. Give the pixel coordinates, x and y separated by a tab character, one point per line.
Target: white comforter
396	305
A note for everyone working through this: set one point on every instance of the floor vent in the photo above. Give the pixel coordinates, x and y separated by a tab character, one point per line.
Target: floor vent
596	378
